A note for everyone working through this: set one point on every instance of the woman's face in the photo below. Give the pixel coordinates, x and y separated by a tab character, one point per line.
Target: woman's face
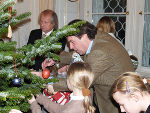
128	104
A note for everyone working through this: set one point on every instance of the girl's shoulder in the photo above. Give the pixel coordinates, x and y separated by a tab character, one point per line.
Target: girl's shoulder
75	106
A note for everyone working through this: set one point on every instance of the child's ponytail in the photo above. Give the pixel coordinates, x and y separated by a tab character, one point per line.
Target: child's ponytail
87	103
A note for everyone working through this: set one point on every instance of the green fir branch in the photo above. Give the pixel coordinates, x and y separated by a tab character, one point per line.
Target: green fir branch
47	45
6	109
9	46
14	21
52	55
5	16
4	6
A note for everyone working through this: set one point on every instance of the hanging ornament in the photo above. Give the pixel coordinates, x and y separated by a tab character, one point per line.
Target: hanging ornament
46	73
9	35
17	80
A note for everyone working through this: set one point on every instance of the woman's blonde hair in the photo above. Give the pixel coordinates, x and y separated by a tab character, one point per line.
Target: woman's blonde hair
106	24
81	76
130	82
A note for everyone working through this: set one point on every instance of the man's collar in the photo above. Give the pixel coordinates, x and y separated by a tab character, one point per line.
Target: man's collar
47	34
89	48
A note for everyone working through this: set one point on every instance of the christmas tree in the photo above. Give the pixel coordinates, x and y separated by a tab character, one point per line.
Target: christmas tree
16	81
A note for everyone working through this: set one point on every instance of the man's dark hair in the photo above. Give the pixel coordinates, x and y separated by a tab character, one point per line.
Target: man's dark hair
86	28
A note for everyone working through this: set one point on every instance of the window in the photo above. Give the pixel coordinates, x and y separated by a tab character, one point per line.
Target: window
116	10
132	20
146	40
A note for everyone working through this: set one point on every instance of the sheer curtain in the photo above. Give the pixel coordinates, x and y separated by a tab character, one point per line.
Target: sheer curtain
21	34
146	40
46	4
134	27
97	7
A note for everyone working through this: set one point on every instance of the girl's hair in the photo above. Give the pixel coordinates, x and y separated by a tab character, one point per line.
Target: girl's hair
130	82
106	24
81	76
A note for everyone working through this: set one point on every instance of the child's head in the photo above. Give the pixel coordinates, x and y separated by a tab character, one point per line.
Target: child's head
80	75
106	24
129	91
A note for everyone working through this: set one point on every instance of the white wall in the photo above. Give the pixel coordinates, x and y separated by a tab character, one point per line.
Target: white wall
68	11
21	34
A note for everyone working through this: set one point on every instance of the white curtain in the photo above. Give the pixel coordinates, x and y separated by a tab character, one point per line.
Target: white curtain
134	26
21	34
97	7
146	39
46	4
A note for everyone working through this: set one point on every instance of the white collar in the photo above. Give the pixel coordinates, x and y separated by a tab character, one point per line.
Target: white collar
47	34
72	97
89	48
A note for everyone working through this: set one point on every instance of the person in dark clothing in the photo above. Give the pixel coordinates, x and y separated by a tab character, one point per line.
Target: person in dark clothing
48	23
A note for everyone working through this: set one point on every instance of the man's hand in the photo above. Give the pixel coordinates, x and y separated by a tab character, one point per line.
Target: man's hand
46	63
63	69
14	111
37	73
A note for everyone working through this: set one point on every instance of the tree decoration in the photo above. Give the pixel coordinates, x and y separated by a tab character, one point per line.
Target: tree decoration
9	32
46	73
9	27
16	80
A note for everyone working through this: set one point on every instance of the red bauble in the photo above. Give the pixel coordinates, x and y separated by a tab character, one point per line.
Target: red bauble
46	73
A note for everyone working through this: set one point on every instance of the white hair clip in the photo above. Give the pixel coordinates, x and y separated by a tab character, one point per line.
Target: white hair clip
145	80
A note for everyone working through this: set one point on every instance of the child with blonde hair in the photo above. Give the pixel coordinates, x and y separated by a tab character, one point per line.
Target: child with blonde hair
79	79
132	93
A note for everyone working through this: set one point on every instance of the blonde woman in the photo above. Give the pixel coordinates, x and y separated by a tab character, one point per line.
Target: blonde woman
132	93
106	24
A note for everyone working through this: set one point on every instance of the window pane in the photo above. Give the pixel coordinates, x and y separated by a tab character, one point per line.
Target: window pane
111	6
146	41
